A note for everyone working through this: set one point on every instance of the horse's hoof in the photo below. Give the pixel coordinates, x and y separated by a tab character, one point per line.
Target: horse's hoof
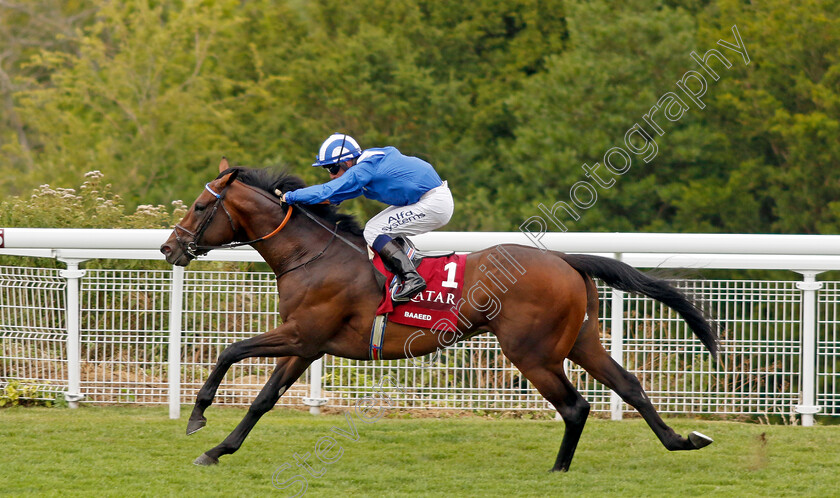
194	426
699	440
205	460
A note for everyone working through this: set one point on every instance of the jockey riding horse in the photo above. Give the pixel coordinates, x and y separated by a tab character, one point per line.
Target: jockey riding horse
418	200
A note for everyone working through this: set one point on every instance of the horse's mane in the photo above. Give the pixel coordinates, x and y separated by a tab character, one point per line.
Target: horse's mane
270	180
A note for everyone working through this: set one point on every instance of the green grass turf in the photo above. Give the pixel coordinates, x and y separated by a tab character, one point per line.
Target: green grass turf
131	451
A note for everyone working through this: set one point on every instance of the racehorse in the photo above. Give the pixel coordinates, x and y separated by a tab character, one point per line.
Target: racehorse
328	296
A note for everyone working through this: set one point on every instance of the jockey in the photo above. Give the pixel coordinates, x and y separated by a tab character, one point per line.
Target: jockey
419	201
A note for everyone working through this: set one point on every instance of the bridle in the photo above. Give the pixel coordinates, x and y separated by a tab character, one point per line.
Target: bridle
193	250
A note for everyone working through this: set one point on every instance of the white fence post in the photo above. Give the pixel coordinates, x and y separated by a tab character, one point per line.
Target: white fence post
617	344
176	304
809	287
74	361
315	401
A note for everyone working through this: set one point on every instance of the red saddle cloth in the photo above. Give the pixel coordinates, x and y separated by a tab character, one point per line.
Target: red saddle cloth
434	308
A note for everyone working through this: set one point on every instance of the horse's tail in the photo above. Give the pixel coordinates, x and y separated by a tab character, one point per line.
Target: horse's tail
624	277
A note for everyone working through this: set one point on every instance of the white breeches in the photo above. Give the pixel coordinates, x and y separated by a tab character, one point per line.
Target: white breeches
432	211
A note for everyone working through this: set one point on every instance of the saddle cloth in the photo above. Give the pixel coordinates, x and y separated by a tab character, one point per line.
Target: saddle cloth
436	307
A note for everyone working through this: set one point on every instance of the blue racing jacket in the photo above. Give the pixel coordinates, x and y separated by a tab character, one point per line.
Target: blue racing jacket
384	175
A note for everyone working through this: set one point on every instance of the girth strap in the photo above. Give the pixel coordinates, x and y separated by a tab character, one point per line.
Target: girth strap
377	336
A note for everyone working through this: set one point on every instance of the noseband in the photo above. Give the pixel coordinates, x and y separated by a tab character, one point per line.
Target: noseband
193	250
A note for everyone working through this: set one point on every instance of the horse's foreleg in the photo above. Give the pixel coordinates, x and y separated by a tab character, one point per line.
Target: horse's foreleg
279	342
287	371
205	395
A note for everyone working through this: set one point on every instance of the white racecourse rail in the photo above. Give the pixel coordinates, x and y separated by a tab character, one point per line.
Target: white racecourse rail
104	335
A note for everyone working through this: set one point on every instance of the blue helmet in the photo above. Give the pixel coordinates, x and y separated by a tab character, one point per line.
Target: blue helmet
338	148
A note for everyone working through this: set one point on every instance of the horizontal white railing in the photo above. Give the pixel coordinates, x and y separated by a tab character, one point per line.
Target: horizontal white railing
691	243
806	254
667	250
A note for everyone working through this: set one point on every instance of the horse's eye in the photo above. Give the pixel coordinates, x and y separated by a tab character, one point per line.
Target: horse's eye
199	207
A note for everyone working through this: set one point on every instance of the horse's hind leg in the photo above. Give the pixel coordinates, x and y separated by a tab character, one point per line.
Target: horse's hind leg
287	371
574	409
538	343
547	375
589	353
612	375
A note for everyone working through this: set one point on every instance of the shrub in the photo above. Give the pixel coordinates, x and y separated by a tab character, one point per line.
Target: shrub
17	393
93	205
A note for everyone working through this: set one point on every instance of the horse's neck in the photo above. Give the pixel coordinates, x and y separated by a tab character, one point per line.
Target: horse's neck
298	242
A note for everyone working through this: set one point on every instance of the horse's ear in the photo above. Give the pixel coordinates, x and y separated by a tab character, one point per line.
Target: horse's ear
231	177
224	165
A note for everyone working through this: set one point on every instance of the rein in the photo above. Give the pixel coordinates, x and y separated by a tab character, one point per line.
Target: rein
278	275
331	230
191	248
335	235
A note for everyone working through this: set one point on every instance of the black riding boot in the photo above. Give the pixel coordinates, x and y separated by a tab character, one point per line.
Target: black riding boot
397	262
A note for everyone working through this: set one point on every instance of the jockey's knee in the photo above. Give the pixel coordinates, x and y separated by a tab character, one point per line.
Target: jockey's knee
380	241
370	235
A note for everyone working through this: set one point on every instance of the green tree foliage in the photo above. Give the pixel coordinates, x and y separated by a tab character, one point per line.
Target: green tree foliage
25	29
780	116
507	98
139	100
584	103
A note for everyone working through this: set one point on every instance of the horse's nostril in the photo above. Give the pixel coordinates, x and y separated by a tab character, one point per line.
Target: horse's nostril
165	249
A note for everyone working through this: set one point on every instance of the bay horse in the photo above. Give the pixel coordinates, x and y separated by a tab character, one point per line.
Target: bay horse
328	296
